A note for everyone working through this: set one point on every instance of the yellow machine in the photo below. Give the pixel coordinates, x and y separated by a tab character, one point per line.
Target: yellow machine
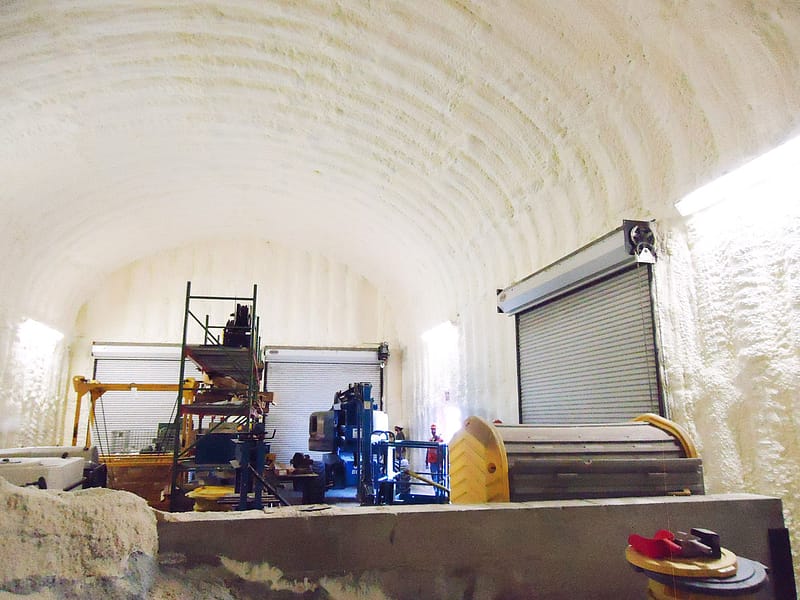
95	389
650	456
146	475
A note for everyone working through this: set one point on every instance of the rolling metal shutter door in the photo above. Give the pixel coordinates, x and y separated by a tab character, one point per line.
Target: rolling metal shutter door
128	421
303	388
589	356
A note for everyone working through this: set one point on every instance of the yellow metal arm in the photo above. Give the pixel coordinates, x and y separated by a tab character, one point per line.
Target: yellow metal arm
96	389
429	481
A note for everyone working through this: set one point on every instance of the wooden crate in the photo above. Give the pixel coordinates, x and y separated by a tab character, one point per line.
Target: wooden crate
146	475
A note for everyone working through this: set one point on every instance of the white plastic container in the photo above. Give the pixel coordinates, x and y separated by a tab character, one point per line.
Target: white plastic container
58	473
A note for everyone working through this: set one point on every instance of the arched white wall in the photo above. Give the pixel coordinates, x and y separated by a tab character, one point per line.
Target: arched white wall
303	299
441	150
728	306
33	372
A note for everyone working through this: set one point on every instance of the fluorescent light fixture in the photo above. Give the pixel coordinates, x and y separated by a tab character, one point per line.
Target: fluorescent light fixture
778	163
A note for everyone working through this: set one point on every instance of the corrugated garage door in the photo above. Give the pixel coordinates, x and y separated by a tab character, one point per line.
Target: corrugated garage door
589	356
302	388
128	421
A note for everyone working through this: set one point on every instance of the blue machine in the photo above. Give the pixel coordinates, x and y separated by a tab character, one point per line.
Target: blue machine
251	451
395	483
361	453
345	432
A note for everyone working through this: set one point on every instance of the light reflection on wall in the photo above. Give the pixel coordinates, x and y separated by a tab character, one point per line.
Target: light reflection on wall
760	213
36	338
734	373
772	177
440	345
33	406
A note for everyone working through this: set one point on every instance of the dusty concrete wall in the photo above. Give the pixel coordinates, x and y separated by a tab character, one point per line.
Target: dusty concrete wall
101	543
551	550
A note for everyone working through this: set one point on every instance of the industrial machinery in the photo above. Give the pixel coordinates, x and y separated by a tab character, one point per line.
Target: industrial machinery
649	456
397	483
53	467
96	389
363	453
345	432
232	450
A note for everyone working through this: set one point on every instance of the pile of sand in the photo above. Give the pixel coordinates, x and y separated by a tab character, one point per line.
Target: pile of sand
102	543
75	543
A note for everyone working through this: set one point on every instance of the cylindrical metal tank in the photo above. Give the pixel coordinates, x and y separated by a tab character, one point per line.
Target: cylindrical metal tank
648	456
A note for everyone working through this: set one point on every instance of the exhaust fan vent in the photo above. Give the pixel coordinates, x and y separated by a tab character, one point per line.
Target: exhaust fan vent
640	241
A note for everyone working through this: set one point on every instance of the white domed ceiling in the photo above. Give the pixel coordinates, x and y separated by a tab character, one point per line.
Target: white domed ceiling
435	146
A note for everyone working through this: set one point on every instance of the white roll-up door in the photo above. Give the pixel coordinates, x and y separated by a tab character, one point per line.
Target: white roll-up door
128	421
302	388
590	356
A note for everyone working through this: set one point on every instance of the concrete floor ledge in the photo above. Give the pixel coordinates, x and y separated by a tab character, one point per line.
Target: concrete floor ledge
554	549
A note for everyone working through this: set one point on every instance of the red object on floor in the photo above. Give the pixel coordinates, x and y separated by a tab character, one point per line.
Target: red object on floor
661	545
